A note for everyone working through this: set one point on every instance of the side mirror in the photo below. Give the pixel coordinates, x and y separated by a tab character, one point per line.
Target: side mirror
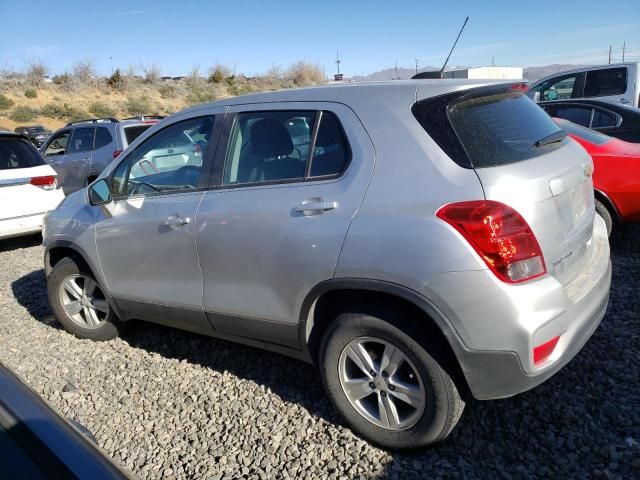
99	192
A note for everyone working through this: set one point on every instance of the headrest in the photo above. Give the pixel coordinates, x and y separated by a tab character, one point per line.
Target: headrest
269	138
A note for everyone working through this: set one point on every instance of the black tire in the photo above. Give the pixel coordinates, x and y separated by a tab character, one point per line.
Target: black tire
443	406
110	328
604	212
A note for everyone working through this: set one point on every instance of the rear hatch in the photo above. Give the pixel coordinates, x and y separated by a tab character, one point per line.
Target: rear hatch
524	160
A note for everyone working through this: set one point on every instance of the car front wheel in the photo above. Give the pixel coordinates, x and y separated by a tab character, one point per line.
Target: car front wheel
79	303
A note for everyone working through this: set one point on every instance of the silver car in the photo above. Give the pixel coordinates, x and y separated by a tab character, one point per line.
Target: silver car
437	242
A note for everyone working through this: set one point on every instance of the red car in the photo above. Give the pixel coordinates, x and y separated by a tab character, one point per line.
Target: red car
616	175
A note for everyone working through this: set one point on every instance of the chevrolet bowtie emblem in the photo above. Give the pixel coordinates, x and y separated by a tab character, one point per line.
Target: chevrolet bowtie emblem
588	169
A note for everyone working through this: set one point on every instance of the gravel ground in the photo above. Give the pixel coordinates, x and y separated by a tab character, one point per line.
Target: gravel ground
172	404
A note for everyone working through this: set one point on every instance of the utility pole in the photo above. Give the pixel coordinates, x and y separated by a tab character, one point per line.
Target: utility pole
111	63
609	54
416	66
624	46
338	61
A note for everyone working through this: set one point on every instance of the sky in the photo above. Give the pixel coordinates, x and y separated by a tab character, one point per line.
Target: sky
251	36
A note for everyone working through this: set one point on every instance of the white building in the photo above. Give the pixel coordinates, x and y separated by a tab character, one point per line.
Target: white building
486	73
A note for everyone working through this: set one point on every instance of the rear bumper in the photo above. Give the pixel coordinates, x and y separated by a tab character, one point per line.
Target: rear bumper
498	325
24	225
494	374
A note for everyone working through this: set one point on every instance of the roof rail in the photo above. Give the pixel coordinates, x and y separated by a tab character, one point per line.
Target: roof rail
93	120
143	118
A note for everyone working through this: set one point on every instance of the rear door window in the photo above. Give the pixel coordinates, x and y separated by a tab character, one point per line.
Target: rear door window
103	137
17	153
133	132
82	140
610	81
575	114
502	128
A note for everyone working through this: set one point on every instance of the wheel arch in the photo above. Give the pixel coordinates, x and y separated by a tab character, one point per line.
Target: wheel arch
325	301
608	203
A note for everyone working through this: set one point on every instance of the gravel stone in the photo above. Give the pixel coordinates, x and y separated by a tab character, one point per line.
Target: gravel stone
167	403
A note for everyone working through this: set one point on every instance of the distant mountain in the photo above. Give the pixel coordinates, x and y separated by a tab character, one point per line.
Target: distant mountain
530	73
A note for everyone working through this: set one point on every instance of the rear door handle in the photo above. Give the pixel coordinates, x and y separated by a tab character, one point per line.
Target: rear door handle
176	221
314	208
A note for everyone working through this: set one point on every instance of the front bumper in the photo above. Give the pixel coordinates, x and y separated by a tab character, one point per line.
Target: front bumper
497	325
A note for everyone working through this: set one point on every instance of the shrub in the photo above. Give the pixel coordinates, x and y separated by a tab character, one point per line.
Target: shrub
61	79
30	93
116	81
138	105
200	95
101	110
66	111
167	91
84	71
218	73
22	113
5	102
36	71
303	73
151	73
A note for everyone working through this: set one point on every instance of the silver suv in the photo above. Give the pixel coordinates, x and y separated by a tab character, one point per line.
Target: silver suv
421	242
82	149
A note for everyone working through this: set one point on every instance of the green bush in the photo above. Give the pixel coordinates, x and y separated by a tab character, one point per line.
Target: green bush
167	91
61	79
115	80
200	95
5	102
102	110
66	111
138	105
30	93
22	113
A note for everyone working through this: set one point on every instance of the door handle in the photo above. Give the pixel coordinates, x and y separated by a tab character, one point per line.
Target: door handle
176	221
314	208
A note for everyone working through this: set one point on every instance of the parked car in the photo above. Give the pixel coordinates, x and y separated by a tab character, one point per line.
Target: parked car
82	149
36	134
28	187
616	176
620	121
416	256
618	83
37	443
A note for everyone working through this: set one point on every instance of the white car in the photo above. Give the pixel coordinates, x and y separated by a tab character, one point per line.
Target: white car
28	187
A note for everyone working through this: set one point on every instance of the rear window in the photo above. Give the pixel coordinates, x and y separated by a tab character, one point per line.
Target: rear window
133	132
587	134
17	153
501	129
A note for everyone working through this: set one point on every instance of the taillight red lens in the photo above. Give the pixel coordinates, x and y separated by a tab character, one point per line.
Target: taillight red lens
501	237
48	182
519	87
116	153
544	351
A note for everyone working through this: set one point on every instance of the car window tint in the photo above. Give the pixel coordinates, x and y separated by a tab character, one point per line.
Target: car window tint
610	81
602	119
58	145
268	146
167	161
82	140
18	153
579	115
331	152
103	137
133	132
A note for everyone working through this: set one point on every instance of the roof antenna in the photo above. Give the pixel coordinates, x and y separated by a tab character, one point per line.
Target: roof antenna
454	46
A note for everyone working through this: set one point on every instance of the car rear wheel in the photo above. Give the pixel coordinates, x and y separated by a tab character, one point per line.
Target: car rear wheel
604	212
387	386
79	303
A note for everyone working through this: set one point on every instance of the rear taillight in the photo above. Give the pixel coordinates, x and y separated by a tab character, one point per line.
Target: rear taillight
501	237
519	87
47	182
116	153
544	351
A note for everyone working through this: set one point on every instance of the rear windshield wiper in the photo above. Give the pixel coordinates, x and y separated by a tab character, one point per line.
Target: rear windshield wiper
553	138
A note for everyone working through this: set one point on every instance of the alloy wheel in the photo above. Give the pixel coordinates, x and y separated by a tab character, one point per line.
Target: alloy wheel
83	301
